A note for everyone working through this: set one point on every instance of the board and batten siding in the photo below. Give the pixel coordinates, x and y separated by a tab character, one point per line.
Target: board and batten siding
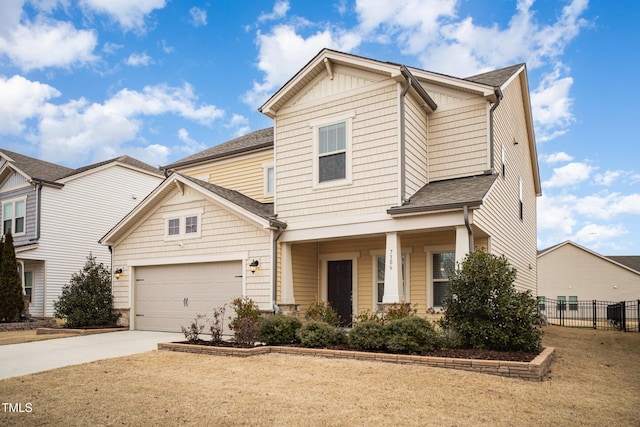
77	215
416	173
222	232
344	79
244	174
500	214
458	141
571	271
374	185
14	182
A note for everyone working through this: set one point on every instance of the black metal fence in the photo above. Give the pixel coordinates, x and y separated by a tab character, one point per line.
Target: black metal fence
605	315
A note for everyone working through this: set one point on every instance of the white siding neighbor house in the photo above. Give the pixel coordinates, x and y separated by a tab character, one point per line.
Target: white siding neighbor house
375	180
57	215
570	272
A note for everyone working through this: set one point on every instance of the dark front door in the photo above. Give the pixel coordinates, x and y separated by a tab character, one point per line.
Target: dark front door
339	289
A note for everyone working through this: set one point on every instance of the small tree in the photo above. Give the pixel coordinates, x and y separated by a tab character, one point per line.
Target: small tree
11	298
484	308
87	299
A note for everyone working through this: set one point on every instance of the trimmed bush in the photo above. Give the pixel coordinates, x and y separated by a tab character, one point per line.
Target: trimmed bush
11	299
368	336
246	324
87	299
411	335
317	334
485	309
398	311
321	311
280	330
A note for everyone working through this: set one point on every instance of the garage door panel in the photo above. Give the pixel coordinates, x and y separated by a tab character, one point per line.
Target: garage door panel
170	296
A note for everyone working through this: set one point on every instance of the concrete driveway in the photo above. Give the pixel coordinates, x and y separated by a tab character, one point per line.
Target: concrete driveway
38	356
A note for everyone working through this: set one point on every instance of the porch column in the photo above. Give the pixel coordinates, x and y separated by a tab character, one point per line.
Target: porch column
286	289
393	270
462	244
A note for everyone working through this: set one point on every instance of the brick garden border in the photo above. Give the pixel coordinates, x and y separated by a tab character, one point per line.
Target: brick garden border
536	370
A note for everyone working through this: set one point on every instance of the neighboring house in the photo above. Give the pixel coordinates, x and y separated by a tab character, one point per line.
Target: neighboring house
57	215
374	182
570	272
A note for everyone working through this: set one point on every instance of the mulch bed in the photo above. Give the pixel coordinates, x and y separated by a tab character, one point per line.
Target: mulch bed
457	353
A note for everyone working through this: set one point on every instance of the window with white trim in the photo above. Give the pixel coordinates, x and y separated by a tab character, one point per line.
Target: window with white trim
573	302
14	216
442	264
183	225
380	267
332	150
28	284
504	162
521	200
269	179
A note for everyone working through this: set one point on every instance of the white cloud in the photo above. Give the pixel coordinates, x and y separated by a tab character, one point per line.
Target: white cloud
129	14
191	146
21	100
46	43
138	60
198	17
283	52
79	130
608	177
154	154
570	174
559	157
111	48
240	123
280	9
165	47
551	105
594	234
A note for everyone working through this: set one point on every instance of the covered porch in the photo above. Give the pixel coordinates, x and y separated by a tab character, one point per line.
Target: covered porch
369	272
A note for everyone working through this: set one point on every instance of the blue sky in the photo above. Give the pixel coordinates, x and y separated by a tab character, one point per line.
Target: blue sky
82	81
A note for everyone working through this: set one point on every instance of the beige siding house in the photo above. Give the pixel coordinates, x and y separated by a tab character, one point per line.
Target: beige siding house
571	272
375	180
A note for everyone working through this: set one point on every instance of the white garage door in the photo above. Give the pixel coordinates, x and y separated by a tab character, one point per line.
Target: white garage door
169	296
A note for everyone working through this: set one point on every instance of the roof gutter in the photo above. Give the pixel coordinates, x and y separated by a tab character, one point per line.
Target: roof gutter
400	210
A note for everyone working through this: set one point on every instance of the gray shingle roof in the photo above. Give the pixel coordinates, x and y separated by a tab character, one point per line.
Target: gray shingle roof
632	262
37	169
263	210
495	78
252	141
448	194
122	159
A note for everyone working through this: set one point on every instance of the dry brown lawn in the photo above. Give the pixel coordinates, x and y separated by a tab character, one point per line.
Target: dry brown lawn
595	381
19	337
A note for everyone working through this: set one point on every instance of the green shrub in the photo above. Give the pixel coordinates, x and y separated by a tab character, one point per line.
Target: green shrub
280	330
321	311
11	299
411	335
368	316
318	334
192	333
87	299
368	336
486	311
246	324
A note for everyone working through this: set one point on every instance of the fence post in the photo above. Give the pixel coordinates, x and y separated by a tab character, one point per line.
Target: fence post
595	314
623	315
638	315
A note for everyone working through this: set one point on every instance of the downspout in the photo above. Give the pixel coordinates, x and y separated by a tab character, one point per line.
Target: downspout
402	139
498	93
469	229
38	210
274	269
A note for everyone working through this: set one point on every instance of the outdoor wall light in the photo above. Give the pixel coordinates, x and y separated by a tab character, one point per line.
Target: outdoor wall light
117	273
254	265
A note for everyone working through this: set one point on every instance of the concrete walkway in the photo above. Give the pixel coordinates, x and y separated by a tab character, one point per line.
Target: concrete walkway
38	356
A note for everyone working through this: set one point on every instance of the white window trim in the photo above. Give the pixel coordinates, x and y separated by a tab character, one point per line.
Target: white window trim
265	168
430	250
504	162
347	119
521	194
182	216
13	220
406	252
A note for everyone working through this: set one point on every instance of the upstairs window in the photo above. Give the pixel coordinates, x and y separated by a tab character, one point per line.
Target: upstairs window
504	162
521	200
332	151
13	217
269	180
